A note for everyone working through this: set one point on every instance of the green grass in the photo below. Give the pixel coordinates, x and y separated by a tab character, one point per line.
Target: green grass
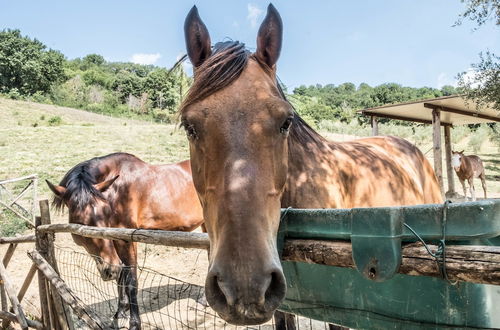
50	151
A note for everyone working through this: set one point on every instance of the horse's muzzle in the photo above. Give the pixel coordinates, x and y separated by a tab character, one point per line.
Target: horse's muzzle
246	299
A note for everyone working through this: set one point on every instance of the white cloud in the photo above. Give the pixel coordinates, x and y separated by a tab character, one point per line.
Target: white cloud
141	58
254	12
443	79
470	77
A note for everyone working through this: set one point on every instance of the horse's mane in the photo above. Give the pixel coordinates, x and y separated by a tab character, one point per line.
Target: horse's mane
80	191
227	62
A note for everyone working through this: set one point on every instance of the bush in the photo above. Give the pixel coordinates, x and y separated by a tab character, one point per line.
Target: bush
477	138
14	94
55	121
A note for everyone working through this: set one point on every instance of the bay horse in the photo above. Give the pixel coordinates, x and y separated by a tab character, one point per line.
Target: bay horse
251	154
120	190
468	168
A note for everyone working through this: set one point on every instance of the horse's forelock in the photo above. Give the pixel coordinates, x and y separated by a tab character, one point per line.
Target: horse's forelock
80	191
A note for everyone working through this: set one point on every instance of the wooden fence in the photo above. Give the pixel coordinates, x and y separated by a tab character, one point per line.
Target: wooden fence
476	264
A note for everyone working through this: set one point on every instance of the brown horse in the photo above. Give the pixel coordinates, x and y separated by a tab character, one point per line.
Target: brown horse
120	190
251	154
468	168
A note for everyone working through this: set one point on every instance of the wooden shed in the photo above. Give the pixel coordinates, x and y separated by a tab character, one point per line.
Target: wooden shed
446	111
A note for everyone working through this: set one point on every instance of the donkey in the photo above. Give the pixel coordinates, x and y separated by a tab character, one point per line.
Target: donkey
468	168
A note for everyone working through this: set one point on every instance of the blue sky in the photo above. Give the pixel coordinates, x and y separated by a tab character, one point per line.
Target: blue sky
408	42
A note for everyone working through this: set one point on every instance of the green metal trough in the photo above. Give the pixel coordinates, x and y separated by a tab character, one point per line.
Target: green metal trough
391	301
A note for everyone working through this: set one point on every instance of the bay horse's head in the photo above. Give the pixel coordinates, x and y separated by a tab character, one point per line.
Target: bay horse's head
87	206
456	159
237	123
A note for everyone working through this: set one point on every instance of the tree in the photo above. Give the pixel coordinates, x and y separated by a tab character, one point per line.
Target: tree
480	11
482	84
27	64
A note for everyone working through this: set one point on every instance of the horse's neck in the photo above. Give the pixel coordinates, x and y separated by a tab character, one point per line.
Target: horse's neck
312	176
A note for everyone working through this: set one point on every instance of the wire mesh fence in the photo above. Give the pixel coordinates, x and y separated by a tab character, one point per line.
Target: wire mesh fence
164	301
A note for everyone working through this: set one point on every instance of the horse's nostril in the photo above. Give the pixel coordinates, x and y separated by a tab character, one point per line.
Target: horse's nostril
277	289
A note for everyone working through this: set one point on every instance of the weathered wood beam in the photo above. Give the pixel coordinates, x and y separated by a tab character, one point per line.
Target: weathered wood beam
436	139
383	115
9	288
447	151
18	239
374	124
27	177
27	281
461	112
66	294
160	237
12	318
476	264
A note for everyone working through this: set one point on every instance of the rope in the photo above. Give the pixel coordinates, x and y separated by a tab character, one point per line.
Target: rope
440	255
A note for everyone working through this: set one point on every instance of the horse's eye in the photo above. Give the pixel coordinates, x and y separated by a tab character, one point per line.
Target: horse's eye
286	125
190	131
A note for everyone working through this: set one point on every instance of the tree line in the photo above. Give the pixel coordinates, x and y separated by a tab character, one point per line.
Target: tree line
28	69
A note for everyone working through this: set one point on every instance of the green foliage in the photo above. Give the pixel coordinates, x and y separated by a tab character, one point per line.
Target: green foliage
477	139
11	224
481	11
27	65
341	102
55	121
482	85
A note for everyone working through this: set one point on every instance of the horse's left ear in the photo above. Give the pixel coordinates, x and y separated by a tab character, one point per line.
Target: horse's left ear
270	37
461	152
103	186
57	190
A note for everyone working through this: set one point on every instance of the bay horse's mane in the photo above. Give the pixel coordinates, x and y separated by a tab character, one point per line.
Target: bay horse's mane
79	183
227	62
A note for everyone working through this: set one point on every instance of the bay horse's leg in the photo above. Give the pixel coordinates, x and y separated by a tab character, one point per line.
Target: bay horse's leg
483	183
472	190
464	188
284	321
128	254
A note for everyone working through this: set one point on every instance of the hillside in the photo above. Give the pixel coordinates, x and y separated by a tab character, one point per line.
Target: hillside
29	144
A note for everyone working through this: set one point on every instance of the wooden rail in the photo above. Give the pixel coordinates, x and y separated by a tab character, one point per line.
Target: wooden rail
476	264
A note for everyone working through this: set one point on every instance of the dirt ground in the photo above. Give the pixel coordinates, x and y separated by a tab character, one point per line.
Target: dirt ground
171	284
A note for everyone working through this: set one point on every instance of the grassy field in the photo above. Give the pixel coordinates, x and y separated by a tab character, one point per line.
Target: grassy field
49	140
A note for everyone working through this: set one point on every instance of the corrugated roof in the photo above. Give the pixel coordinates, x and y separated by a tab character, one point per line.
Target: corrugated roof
455	110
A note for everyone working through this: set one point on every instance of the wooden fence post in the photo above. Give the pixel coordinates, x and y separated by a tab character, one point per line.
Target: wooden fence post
42	283
60	314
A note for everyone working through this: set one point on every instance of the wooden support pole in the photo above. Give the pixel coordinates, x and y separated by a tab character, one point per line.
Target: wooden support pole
69	297
16	306
26	283
10	317
449	168
476	264
42	284
60	316
374	123
6	259
436	138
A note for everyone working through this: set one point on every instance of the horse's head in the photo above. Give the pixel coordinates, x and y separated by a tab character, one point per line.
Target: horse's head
456	159
237	123
88	207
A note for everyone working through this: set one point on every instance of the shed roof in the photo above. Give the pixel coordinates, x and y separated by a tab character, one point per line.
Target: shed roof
455	110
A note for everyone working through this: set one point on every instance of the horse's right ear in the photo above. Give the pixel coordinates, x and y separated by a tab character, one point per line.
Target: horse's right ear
197	38
57	190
